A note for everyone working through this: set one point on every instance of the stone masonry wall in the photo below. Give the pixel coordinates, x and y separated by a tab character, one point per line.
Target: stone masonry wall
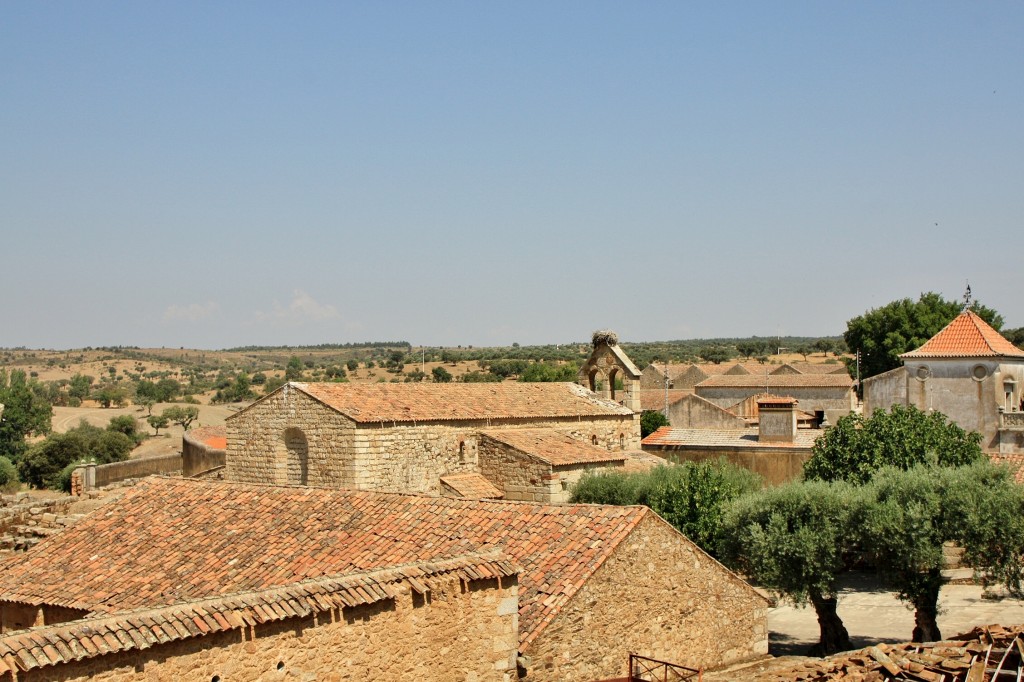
458	633
258	452
835	403
412	458
658	595
520	477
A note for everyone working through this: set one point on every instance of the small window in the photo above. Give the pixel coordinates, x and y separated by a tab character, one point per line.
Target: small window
622	441
923	373
593	440
462	451
979	372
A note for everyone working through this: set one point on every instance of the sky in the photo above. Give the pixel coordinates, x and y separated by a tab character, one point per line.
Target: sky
210	175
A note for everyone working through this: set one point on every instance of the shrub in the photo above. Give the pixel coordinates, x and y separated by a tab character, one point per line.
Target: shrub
8	474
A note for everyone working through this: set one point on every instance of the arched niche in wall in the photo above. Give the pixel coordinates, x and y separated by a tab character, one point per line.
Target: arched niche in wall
297	447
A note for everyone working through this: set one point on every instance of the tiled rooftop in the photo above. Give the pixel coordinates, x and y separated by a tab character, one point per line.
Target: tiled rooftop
776	381
967	336
668	436
553	448
141	629
368	403
472	486
170	541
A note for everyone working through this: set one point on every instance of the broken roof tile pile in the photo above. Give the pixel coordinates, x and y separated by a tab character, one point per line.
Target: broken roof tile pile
170	541
975	656
141	629
554	448
967	336
368	403
472	486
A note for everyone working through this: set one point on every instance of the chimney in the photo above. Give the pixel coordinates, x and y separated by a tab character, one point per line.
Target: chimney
776	420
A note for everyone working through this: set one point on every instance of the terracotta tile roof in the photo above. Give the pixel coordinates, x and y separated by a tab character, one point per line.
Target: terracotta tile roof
654	398
552	447
776	400
775	381
1014	463
668	436
171	540
140	629
472	486
967	336
368	403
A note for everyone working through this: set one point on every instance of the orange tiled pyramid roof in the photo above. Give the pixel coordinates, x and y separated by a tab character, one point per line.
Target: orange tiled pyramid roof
967	336
368	403
169	541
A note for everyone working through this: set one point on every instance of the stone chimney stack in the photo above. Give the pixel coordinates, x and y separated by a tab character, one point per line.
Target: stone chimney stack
777	419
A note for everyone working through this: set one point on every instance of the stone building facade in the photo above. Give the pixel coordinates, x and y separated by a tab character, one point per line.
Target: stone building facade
967	371
405	437
607	366
242	582
539	465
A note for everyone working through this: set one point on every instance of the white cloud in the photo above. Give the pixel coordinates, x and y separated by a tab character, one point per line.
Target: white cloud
302	308
192	312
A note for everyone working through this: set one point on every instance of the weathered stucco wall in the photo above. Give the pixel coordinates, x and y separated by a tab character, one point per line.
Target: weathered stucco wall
456	634
659	596
777	464
972	392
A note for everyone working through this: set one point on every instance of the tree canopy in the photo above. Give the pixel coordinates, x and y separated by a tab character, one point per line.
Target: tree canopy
25	414
796	539
691	496
882	334
43	463
651	421
856	447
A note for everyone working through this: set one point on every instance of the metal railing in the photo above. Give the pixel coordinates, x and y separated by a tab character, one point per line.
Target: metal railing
644	669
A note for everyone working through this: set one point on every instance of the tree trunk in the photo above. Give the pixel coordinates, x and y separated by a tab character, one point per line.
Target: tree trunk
926	609
834	636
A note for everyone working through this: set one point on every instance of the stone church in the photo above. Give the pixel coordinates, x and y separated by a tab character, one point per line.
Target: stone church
520	441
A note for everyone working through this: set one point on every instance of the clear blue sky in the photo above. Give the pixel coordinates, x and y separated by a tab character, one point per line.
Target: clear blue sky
214	174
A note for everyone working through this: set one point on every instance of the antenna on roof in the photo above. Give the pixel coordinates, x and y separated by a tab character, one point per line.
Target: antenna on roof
967	297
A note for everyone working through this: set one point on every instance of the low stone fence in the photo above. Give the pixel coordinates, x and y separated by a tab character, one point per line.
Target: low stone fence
203	452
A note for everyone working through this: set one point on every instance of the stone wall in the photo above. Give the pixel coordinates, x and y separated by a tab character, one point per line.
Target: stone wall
198	457
24	521
291	438
658	595
457	633
520	477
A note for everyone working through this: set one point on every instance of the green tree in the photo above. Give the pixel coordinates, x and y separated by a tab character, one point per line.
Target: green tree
43	462
352	365
824	346
883	334
795	540
158	421
856	447
109	395
691	496
715	354
127	425
441	375
24	414
80	386
651	421
293	372
909	514
182	416
549	371
8	475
